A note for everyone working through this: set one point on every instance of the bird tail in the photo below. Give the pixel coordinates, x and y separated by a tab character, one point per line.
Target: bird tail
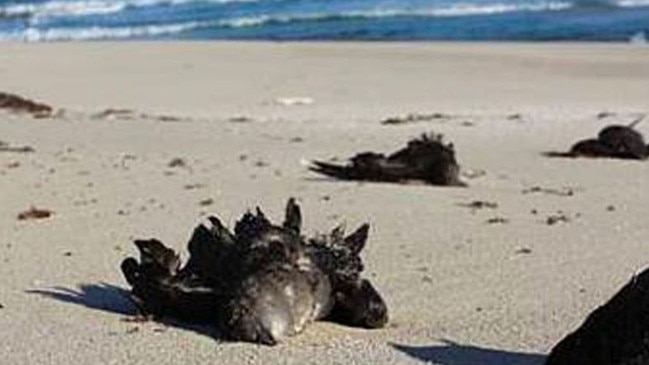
341	172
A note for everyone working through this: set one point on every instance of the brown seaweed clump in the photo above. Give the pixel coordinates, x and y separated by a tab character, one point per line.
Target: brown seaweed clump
18	104
260	283
425	159
617	333
34	213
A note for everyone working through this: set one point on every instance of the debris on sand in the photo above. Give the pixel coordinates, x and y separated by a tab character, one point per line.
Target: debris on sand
480	204
566	191
497	220
415	117
294	101
240	119
559	217
35	213
206	202
473	174
6	147
18	104
130	114
603	115
261	163
177	162
114	113
616	333
193	186
232	279
425	159
614	141
164	118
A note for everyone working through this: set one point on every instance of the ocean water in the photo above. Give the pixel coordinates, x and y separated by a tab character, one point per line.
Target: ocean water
373	20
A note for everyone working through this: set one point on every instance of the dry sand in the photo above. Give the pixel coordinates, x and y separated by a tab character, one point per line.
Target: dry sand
461	291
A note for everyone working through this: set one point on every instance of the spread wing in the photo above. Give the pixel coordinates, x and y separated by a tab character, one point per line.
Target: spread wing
365	166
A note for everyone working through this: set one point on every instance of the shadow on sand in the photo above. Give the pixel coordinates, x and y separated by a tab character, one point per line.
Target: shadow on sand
105	297
113	299
457	354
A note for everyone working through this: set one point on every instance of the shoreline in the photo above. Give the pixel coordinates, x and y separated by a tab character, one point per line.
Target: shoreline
230	78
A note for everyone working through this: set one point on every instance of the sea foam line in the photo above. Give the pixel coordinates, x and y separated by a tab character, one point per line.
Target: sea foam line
456	10
97	33
89	7
80	8
633	3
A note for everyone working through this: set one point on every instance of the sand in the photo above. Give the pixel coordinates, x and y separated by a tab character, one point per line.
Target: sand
244	117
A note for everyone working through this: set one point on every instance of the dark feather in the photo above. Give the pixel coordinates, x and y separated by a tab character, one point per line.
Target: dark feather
617	333
425	159
614	141
261	284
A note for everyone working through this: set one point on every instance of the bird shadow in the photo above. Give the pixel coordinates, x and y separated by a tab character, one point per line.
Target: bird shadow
333	180
103	296
452	353
574	156
111	298
559	154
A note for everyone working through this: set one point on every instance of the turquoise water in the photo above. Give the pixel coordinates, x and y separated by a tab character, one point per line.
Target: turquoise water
535	20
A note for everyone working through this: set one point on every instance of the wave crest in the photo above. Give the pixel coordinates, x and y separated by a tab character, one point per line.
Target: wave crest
633	3
456	10
80	8
98	33
59	8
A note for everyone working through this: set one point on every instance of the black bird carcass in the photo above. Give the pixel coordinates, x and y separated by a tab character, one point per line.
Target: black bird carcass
427	159
613	141
617	333
262	283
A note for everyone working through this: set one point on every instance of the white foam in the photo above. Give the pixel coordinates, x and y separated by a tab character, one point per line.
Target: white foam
55	8
639	38
455	10
96	33
89	7
464	9
632	3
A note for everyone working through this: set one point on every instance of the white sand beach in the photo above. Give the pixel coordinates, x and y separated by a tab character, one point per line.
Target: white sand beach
245	117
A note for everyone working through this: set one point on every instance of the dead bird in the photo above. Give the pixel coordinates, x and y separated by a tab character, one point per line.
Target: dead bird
617	333
159	290
260	284
426	159
614	141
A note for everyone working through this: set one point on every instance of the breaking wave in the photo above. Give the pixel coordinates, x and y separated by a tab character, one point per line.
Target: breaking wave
450	11
43	20
98	33
632	3
94	7
90	7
